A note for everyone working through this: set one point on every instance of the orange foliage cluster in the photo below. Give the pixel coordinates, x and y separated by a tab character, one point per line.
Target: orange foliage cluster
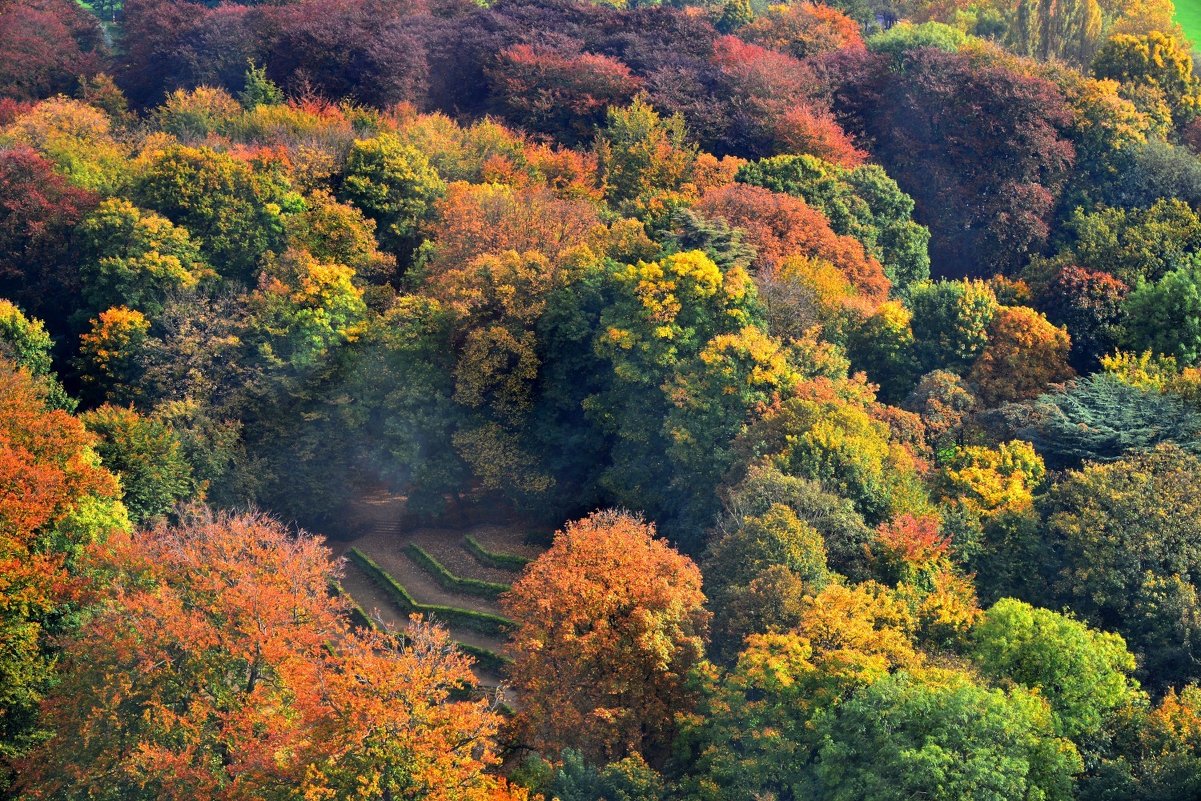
803	29
247	679
610	622
780	225
475	219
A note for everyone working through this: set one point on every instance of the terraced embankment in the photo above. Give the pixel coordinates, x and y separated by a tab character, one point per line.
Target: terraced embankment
454	576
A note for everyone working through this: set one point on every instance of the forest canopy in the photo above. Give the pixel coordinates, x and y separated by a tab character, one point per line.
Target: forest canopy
554	400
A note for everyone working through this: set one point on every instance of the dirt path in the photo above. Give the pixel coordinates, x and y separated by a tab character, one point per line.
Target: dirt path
388	552
382	536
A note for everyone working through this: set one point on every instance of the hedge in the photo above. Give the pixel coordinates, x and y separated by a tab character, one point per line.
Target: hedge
358	617
485	658
494	625
449	581
504	561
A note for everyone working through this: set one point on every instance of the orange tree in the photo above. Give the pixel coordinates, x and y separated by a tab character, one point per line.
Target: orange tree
214	665
56	499
610	622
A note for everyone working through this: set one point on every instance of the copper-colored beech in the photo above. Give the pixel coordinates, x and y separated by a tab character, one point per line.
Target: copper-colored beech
780	226
610	622
216	666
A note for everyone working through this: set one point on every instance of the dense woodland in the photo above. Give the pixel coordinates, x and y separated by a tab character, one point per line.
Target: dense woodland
853	351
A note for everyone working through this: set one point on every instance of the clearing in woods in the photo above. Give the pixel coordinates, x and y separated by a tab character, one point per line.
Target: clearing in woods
1188	14
385	539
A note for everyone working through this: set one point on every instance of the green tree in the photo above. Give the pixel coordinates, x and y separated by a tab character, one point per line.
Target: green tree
1165	316
950	323
740	556
936	734
1137	243
1101	418
258	89
24	341
394	184
1125	547
1046	30
629	779
147	458
842	530
1083	673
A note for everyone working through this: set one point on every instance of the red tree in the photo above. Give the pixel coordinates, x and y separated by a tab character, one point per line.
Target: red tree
38	210
215	665
45	46
563	94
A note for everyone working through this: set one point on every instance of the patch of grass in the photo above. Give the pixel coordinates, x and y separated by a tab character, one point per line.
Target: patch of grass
485	658
484	623
497	559
1188	14
449	581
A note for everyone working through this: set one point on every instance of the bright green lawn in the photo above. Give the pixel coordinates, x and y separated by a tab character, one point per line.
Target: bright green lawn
1188	14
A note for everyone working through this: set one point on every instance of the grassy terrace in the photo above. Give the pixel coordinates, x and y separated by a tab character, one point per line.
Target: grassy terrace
1188	14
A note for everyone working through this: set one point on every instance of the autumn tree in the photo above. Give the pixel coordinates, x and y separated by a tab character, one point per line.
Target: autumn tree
641	154
25	342
826	432
367	50
609	624
803	29
78	138
783	110
863	202
565	94
60	501
740	556
755	730
111	355
136	258
247	679
38	210
1156	754
1130	244
944	403
779	225
1025	353
1016	159
1154	60
232	210
45	46
477	219
303	307
1088	304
